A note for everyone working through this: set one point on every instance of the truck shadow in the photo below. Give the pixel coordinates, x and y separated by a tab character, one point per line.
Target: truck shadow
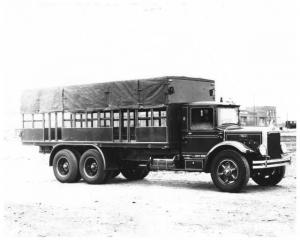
182	184
257	188
162	183
194	185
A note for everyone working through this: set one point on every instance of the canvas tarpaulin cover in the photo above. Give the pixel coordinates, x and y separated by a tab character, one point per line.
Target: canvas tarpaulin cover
89	97
113	95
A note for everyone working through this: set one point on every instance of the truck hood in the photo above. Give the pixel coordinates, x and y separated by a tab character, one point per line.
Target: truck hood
249	136
240	129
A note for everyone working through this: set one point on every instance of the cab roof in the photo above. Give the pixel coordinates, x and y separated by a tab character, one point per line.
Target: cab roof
212	103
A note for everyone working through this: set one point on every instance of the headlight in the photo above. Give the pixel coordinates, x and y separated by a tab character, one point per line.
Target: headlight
262	150
283	148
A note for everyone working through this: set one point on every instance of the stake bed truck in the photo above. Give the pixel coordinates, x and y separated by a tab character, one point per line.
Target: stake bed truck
97	131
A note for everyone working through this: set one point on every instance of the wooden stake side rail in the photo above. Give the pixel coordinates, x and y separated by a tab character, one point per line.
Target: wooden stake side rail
131	126
142	134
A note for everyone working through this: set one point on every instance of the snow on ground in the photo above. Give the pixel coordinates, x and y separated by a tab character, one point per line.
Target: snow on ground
163	204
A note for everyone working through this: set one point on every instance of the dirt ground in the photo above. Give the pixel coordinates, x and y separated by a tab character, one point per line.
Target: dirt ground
164	204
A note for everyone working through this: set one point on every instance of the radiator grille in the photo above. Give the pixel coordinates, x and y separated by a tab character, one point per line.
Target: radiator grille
274	148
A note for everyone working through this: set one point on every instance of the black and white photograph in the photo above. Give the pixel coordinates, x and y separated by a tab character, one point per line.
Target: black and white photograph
149	119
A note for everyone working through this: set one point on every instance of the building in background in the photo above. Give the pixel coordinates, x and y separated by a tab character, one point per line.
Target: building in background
291	124
258	116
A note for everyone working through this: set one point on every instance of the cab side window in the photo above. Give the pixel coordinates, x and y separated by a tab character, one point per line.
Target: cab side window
201	118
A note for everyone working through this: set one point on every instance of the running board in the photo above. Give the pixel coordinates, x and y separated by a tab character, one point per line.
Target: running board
168	164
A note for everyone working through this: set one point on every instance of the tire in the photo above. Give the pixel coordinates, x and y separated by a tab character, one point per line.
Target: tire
269	177
92	167
78	155
137	173
230	171
65	166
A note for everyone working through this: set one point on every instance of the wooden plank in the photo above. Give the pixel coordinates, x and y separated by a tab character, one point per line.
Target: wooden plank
86	119
128	125
32	115
23	123
73	122
111	119
151	134
87	134
120	125
98	119
30	134
63	119
49	127
136	118
43	127
152	120
55	124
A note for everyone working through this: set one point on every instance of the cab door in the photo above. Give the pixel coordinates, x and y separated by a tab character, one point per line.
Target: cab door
199	134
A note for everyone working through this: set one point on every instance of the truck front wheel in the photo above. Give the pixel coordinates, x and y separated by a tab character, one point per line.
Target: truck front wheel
135	173
92	167
230	171
269	177
65	166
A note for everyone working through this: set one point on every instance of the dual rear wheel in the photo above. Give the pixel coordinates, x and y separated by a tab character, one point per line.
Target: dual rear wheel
69	166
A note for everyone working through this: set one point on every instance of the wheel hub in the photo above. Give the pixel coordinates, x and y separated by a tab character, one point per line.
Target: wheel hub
63	166
66	166
227	171
91	167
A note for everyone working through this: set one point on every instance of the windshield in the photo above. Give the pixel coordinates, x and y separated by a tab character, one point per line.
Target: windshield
227	116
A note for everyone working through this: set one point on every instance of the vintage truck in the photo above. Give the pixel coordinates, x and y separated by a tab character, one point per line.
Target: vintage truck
97	131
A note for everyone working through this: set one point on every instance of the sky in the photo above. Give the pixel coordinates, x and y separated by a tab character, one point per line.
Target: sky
250	48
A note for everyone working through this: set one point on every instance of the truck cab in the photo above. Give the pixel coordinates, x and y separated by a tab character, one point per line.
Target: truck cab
214	141
203	125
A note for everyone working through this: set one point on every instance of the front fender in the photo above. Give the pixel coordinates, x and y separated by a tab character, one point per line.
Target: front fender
237	145
240	147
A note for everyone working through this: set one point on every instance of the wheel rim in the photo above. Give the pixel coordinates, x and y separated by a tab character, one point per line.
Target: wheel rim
63	167
90	167
227	171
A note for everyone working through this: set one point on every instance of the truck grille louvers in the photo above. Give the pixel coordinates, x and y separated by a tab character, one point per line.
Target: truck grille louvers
274	148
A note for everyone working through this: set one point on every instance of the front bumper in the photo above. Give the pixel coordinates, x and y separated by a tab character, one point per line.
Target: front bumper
271	163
